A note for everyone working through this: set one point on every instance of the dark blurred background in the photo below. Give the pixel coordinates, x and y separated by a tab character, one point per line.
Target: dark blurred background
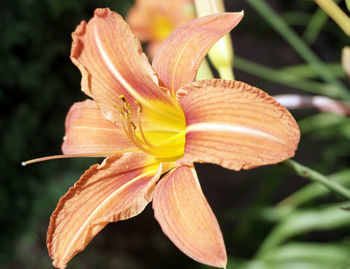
38	84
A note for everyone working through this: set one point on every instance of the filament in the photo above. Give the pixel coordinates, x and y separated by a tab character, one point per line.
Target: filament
139	111
159	150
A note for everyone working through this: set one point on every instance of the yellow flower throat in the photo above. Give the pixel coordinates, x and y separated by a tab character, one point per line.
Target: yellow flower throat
164	137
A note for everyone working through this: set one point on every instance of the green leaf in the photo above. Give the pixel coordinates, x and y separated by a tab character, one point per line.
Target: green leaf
321	121
314	190
347	4
299	45
286	78
304	221
316	24
314	252
305	71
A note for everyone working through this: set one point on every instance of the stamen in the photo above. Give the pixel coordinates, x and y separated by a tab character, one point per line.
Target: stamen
120	110
160	150
126	112
129	126
127	106
139	111
133	138
127	123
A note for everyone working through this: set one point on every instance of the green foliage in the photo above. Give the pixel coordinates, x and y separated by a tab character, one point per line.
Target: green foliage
296	42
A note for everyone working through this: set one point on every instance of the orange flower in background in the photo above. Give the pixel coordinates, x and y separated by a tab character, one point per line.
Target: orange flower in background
154	120
153	21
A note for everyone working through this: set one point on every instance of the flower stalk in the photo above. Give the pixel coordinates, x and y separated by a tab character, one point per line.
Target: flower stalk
313	175
336	13
345	60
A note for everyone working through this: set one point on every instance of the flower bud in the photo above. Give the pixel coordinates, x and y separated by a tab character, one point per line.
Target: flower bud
345	60
221	54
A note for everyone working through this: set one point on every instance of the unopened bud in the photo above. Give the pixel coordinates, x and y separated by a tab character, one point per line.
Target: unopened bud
221	54
345	60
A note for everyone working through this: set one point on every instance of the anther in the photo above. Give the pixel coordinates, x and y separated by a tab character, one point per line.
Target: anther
126	104
139	106
123	98
120	111
132	125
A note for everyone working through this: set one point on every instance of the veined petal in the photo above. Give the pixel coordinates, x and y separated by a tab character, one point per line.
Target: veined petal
235	125
87	131
179	57
118	189
186	217
112	63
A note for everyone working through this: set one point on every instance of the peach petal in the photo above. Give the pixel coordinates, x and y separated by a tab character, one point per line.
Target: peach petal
112	63
180	56
235	125
118	189
87	131
186	217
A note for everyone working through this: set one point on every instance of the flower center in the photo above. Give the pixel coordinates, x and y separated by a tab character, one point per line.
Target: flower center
163	143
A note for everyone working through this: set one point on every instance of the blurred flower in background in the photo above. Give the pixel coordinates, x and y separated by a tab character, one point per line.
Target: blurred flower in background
152	21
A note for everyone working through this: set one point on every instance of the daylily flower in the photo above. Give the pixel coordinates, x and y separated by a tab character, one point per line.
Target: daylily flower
154	120
153	21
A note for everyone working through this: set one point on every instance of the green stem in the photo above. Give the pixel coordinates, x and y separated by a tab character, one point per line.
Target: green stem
313	175
347	4
304	71
335	12
284	77
299	45
313	191
316	24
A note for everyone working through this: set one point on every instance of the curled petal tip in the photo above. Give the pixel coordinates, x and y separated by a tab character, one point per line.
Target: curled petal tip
80	30
179	57
101	12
